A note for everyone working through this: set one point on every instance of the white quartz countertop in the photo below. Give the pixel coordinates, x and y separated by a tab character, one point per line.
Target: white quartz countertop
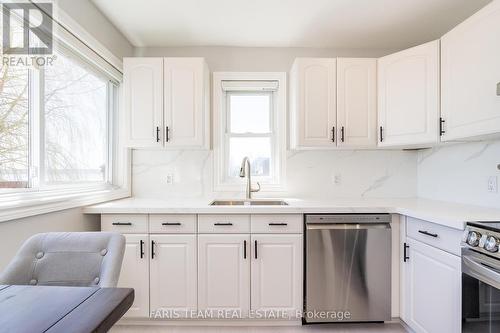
448	214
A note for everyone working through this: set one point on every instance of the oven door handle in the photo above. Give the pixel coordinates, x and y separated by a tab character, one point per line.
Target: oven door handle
481	271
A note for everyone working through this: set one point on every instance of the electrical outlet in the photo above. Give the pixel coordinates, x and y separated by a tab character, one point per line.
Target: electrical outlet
493	184
170	179
337	179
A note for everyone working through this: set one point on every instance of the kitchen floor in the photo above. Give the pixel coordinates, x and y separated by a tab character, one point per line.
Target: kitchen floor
335	328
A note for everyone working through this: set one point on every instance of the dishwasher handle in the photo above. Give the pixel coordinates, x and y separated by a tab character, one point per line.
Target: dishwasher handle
347	226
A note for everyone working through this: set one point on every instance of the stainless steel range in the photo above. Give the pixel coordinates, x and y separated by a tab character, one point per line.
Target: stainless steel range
481	277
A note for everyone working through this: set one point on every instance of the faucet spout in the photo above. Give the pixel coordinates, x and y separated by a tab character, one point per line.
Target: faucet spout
245	171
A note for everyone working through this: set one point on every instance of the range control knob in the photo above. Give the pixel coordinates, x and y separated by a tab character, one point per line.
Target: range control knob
473	238
482	241
491	244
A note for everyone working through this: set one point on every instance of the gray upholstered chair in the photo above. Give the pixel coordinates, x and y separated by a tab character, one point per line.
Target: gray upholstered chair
67	259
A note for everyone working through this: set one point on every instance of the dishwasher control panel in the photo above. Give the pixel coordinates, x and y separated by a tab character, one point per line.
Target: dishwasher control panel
348	218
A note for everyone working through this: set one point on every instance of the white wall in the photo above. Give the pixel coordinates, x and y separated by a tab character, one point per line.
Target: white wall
459	173
14	233
253	59
96	24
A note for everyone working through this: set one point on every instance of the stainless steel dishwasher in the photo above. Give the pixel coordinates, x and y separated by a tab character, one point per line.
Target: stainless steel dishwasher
348	268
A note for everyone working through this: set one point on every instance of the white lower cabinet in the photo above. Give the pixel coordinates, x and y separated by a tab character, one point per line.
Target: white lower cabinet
276	278
224	273
432	289
219	266
135	273
173	275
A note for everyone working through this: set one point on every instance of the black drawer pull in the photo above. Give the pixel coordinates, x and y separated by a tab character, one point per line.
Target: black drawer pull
272	223
244	249
223	223
255	249
157	134
333	134
425	232
122	223
171	223
153	249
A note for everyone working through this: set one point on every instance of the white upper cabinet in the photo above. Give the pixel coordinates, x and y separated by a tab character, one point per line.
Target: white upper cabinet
167	102
186	87
470	83
143	101
173	274
357	102
408	97
313	103
277	273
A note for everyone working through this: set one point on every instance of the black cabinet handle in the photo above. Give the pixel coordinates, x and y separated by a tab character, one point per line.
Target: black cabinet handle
167	130
142	248
405	255
244	249
381	134
271	223
122	223
255	249
153	249
223	223
333	134
425	232
342	134
441	127
157	134
171	223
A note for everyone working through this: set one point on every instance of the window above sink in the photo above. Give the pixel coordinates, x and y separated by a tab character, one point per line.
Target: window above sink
249	120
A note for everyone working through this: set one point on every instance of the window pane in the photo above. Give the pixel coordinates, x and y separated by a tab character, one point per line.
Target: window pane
249	113
14	126
258	151
75	122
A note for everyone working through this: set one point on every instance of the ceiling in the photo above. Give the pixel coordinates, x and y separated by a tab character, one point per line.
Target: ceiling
363	24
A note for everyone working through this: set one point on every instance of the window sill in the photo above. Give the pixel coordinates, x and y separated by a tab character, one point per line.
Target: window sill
20	205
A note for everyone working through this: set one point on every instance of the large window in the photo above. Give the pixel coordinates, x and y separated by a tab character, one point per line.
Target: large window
250	123
55	124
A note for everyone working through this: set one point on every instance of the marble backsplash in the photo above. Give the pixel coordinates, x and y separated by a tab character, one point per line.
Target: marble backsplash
459	173
310	174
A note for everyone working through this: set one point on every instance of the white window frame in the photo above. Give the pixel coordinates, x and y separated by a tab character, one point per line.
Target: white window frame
221	138
23	202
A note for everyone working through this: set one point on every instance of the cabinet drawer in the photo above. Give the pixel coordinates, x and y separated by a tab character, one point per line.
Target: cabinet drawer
125	223
277	223
223	224
433	234
172	224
